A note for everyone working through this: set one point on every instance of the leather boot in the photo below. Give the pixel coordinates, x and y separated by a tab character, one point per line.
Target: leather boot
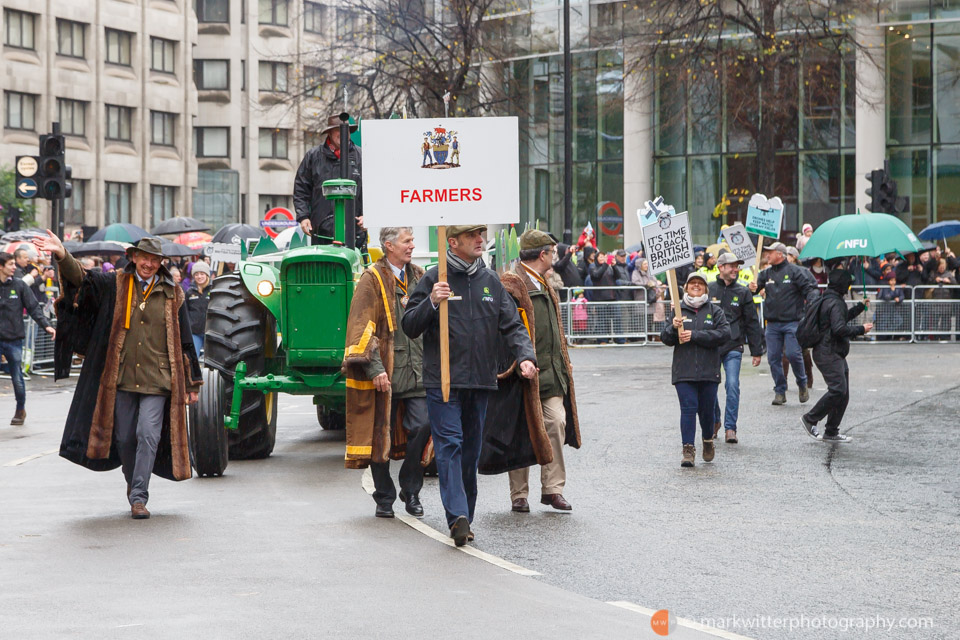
689	455
708	450
18	417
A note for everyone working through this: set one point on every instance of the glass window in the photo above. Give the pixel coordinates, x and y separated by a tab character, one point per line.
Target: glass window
273	12
20	110
273	76
704	192
162	55
946	8
212	142
73	116
213	10
743	116
313	17
70	38
273	143
670	115
162	127
268	202
911	170
211	74
822	79
909	87
118	201
820	187
909	10
706	100
584	112
18	29
119	45
119	121
350	23
948	183
312	81
947	60
671	179
73	206
609	206
162	199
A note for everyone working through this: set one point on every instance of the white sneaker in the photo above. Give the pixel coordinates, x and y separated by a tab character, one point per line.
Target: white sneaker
837	438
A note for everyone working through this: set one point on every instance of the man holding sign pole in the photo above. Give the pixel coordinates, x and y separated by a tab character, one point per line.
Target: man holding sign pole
480	310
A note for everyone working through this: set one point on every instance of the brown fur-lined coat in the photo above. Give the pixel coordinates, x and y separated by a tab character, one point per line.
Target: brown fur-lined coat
373	435
90	322
514	435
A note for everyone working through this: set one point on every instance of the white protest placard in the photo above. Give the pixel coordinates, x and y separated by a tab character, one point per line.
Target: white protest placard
667	242
440	171
764	216
223	252
652	211
739	243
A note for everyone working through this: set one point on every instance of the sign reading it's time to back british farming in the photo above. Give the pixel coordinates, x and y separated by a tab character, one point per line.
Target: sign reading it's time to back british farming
440	171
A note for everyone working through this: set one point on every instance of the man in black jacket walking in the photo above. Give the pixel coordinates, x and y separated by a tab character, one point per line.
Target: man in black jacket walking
314	212
15	297
737	304
480	311
787	286
830	355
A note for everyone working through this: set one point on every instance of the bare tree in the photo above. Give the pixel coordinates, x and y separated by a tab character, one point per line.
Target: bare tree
759	60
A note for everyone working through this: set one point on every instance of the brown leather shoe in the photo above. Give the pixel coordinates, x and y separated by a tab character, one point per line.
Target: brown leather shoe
470	537
708	450
18	417
731	436
520	505
556	501
717	427
139	511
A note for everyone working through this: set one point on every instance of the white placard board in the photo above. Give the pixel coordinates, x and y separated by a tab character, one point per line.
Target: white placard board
764	217
223	252
440	171
667	242
740	244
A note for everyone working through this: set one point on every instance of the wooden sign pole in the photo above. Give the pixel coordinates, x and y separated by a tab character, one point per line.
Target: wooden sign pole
444	318
674	292
756	265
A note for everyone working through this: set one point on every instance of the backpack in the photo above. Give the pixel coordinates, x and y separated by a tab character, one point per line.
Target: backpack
809	331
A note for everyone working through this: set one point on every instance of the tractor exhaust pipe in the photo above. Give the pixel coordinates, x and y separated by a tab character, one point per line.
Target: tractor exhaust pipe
350	217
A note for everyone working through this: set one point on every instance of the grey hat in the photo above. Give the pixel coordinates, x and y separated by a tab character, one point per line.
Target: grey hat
728	257
200	267
777	246
792	251
696	275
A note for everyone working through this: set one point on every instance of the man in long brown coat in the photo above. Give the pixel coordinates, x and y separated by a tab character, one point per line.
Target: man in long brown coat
139	371
386	402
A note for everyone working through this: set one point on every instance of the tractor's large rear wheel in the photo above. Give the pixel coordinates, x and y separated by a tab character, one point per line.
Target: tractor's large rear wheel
240	329
208	438
331	420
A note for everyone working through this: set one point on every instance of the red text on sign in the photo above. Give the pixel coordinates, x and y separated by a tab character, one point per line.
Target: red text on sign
441	195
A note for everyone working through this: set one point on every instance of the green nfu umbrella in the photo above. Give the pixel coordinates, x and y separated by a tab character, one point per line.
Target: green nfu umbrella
863	234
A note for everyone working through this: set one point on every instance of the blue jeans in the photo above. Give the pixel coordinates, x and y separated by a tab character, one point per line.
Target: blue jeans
731	374
457	430
696	398
12	350
783	336
198	344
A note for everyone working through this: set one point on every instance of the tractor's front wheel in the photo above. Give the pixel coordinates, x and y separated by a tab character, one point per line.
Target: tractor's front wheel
239	328
330	419
208	437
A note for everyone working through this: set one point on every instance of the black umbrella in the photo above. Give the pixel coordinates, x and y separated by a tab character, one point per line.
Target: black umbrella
178	225
97	247
175	250
23	234
235	233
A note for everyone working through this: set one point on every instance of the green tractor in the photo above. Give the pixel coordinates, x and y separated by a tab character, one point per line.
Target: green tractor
276	324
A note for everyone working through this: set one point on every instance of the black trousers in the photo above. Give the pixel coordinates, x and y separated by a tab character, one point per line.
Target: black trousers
416	422
833	404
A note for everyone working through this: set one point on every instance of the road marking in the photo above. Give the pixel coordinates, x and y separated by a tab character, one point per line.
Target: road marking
683	622
124	626
17	463
414	523
918	390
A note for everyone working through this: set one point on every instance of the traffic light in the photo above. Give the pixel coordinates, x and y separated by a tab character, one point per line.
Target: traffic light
11	222
883	193
53	172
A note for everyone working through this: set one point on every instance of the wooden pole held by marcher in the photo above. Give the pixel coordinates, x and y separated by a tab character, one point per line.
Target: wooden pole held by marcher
674	292
756	265
444	318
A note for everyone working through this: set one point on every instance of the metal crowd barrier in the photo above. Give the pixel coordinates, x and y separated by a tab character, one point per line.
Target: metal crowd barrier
37	348
925	313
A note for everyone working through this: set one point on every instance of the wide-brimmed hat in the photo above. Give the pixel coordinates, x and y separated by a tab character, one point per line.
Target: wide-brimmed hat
147	245
333	122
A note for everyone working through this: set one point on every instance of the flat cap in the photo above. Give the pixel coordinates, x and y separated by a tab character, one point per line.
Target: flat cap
456	229
728	257
534	239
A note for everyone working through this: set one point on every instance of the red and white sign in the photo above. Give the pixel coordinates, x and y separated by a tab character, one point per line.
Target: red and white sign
276	220
440	171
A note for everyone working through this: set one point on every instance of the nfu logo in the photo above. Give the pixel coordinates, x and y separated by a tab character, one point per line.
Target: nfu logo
859	243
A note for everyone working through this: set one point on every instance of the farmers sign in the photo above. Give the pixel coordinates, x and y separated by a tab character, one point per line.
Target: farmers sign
440	171
668	243
739	243
764	217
